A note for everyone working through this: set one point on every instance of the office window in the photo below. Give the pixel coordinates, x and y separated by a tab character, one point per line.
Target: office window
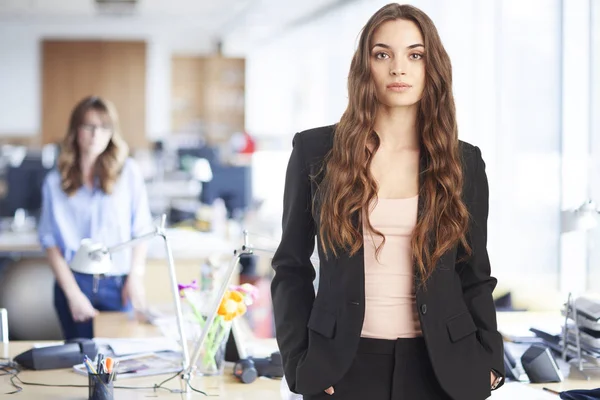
593	283
525	169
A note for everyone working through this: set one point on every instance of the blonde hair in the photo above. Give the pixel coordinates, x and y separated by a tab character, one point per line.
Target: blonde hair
109	164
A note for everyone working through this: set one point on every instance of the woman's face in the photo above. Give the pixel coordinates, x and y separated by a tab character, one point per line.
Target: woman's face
397	63
93	135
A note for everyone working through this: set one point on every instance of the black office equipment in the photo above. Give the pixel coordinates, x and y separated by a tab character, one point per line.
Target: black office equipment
245	370
24	183
271	367
248	369
540	366
208	153
60	356
233	184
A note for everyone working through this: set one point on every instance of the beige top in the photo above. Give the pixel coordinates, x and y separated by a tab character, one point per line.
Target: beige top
390	310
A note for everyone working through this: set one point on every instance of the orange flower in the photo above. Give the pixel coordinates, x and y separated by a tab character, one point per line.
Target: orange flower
232	305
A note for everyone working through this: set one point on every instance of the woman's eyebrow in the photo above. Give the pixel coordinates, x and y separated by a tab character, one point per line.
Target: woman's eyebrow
385	46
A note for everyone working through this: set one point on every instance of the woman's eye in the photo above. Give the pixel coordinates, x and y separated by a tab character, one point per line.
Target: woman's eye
381	56
416	56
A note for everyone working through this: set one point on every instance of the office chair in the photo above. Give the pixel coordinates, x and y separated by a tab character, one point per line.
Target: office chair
27	292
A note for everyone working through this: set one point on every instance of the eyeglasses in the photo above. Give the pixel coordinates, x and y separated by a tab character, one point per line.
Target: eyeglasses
90	128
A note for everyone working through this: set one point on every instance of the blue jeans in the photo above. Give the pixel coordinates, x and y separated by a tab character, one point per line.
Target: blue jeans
105	295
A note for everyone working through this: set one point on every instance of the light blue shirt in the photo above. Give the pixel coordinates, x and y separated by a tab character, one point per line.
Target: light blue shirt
109	219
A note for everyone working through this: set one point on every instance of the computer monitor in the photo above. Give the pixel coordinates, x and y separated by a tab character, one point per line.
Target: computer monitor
24	187
205	152
233	184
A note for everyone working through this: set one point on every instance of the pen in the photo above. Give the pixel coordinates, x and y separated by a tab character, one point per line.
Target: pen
551	391
100	364
89	365
113	374
108	364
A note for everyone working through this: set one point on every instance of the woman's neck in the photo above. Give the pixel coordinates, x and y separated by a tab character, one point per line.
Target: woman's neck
397	128
86	164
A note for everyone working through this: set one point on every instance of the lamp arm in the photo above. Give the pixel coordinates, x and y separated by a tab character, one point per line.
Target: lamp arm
245	249
160	230
215	306
177	301
132	242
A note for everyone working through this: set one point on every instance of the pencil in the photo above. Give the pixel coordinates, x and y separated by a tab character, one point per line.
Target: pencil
551	391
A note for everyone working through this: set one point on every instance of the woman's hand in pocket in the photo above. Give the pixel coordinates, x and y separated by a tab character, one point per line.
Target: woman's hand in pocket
329	390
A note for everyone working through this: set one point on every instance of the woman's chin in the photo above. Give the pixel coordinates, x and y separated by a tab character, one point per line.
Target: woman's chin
400	104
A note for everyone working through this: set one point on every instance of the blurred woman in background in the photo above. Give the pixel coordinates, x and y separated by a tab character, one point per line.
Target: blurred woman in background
95	192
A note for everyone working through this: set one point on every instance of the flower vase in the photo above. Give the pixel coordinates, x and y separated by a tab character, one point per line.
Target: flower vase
212	355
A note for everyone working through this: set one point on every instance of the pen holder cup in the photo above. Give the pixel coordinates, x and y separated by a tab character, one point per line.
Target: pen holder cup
100	387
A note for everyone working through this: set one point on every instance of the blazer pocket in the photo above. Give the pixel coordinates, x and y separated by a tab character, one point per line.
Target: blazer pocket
460	326
322	322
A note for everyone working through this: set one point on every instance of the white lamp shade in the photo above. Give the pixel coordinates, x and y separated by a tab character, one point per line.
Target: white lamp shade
91	258
201	170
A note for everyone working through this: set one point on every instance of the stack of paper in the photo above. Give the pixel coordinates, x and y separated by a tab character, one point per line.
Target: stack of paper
142	365
516	390
123	347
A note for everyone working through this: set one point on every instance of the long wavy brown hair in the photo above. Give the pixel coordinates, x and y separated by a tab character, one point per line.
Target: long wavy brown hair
348	186
108	165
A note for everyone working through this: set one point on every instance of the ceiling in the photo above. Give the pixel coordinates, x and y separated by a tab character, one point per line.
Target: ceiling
251	19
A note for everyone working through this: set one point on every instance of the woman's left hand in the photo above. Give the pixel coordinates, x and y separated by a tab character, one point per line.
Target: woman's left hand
133	290
492	378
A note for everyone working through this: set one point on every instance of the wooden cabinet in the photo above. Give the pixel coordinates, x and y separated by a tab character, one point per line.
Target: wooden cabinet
208	95
115	71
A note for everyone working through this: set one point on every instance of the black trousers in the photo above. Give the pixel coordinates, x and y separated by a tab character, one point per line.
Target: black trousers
388	370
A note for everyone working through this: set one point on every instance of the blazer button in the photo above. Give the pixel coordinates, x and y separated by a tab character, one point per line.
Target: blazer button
423	309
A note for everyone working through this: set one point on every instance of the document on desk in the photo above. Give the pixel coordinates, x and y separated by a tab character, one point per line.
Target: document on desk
517	390
520	331
126	346
142	365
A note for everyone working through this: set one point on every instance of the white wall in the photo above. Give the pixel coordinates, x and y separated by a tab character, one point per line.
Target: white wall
20	66
20	79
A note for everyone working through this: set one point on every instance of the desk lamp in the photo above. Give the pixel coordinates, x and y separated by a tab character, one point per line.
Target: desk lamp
94	258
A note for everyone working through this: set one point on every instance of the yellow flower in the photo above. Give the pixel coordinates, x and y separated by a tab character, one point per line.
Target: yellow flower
232	305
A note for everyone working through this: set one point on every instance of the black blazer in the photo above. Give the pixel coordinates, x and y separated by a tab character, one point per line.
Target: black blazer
318	336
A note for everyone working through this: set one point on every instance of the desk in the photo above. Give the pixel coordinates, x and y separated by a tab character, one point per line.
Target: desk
226	387
19	243
575	380
118	325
